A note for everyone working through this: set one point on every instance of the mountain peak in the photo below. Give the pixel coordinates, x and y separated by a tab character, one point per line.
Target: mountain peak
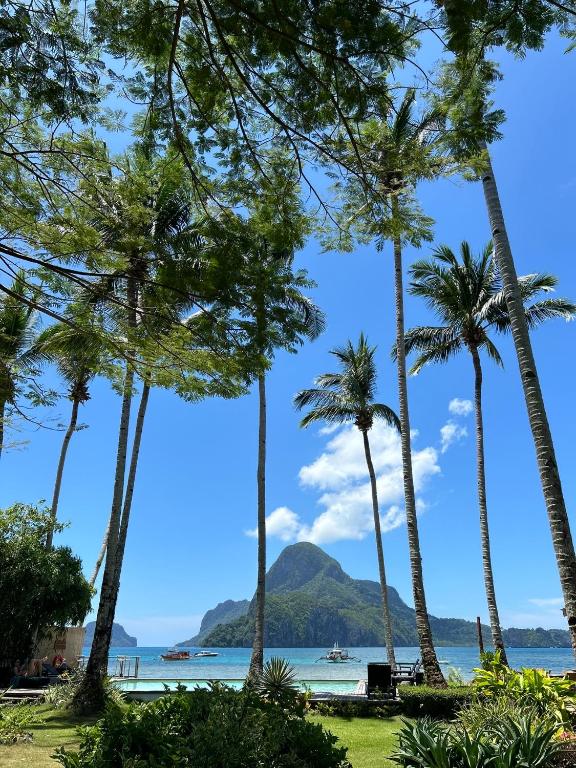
300	563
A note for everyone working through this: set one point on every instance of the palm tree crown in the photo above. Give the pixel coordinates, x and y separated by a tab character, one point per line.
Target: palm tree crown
468	297
348	395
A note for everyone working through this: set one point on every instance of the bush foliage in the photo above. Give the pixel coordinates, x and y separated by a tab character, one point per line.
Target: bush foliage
211	728
445	703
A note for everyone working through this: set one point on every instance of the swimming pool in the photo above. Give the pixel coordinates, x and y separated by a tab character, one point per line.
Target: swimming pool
162	684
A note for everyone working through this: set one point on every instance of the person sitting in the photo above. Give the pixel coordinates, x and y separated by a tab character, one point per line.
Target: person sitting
20	671
47	669
60	664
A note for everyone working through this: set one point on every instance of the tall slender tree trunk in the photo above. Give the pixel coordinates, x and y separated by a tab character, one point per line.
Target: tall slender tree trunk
388	636
101	553
495	627
60	471
257	659
90	695
545	454
432	669
2	417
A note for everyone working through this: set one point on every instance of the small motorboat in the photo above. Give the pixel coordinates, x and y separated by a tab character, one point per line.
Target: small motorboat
203	654
175	655
337	655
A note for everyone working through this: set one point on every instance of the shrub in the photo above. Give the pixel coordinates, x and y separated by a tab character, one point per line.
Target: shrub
355	708
15	722
512	744
205	727
486	713
61	696
445	703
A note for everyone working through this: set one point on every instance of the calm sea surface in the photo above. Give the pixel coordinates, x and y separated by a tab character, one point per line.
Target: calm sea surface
232	663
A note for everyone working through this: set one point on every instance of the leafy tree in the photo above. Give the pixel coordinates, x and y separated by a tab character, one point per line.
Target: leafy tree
348	396
467	296
39	588
18	355
464	99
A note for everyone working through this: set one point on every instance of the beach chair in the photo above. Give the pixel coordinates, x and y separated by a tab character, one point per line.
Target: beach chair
408	673
379	684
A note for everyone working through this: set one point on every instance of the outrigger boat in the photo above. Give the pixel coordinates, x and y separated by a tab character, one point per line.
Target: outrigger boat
203	654
175	655
338	655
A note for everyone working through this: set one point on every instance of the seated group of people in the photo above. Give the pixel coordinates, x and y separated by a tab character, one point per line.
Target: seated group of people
39	668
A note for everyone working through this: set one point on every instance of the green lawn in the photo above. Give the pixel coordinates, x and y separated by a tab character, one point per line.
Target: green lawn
55	729
369	740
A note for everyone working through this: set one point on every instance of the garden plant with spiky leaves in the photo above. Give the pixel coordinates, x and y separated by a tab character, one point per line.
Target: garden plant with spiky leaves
348	396
467	295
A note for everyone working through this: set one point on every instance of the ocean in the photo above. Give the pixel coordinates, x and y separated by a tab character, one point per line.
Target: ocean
231	664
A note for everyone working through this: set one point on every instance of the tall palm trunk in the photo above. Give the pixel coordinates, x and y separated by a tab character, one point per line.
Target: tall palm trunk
2	416
432	669
60	471
257	659
545	454
380	550
495	627
90	696
100	558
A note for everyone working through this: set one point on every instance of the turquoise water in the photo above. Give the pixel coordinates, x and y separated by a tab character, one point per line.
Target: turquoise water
232	663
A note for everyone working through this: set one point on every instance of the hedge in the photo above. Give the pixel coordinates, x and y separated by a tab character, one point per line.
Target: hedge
444	703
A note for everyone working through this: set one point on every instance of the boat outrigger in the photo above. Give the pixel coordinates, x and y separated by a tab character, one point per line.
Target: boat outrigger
175	655
338	655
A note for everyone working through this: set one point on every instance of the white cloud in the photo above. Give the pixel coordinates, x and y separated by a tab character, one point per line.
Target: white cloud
282	523
459	407
329	429
547	602
341	477
451	433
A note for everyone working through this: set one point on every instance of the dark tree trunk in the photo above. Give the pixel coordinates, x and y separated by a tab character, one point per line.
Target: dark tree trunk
257	659
432	669
543	443
60	471
483	507
388	634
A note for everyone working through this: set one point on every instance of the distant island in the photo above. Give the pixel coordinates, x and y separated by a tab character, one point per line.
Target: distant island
312	602
120	638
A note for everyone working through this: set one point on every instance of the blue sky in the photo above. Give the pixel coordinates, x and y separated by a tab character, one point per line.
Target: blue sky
195	502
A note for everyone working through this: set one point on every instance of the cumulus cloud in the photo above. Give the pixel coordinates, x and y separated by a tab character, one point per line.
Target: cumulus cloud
339	474
451	433
459	407
547	602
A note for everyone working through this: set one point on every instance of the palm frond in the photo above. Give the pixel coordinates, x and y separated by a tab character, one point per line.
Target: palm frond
384	412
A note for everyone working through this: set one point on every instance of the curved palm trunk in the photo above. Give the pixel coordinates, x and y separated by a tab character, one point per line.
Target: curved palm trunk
60	471
257	659
432	669
380	550
100	558
545	454
495	627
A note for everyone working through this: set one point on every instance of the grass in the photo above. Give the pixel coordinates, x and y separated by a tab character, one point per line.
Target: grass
55	729
369	740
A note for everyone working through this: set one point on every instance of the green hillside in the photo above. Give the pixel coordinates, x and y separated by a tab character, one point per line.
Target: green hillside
312	602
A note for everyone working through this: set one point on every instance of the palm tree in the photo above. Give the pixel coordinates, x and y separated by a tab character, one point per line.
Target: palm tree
18	324
283	317
468	298
348	396
409	157
465	99
77	352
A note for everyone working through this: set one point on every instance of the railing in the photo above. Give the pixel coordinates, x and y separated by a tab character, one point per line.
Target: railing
124	666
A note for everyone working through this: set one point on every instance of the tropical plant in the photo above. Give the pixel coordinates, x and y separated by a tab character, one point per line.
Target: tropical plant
16	721
76	348
466	84
282	317
18	355
466	295
348	396
277	683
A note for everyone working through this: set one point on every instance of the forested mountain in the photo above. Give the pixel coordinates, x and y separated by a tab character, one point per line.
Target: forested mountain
312	602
